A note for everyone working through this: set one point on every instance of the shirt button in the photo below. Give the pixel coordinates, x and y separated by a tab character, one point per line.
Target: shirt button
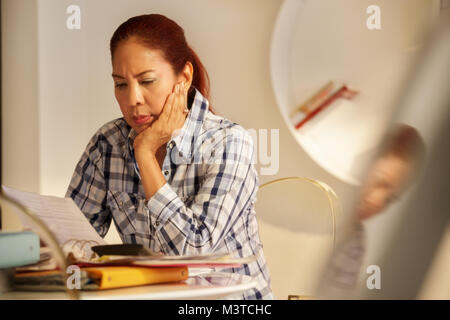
157	223
171	144
166	173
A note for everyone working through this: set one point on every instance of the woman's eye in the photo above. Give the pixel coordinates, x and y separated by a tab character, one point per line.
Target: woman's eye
120	85
147	82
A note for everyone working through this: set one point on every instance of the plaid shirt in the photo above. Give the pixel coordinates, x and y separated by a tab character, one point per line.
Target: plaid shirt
206	205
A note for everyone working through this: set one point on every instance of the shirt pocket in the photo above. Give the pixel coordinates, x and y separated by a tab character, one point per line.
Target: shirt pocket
128	212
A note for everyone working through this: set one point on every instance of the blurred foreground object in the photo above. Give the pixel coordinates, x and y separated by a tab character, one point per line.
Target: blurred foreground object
405	260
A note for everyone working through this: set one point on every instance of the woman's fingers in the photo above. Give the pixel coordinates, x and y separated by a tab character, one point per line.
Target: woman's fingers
167	109
172	116
183	103
178	101
179	104
186	90
185	98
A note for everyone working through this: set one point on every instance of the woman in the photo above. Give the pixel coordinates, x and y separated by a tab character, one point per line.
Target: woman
171	174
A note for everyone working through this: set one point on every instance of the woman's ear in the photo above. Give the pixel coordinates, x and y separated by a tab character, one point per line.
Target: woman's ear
188	73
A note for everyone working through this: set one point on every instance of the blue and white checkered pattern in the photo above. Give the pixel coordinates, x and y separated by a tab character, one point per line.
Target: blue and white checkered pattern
207	204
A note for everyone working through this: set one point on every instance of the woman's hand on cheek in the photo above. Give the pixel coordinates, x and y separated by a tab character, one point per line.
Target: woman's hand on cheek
172	117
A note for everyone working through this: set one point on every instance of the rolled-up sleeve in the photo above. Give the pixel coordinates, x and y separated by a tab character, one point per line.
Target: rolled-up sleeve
227	190
87	187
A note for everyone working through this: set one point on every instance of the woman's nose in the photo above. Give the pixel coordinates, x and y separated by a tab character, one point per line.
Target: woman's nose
135	96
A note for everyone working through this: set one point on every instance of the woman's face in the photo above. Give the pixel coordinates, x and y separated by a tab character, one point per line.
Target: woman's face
143	80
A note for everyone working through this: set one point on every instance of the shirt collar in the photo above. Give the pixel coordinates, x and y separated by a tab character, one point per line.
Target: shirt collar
186	137
128	150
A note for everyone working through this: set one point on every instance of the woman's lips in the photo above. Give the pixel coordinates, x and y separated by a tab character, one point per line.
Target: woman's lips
142	119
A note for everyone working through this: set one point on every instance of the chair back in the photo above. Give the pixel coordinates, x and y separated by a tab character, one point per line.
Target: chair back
297	225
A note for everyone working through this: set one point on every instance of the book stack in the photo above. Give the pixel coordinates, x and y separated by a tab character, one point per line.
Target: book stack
322	99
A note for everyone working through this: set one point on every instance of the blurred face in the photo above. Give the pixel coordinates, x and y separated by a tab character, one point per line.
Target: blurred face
385	182
143	80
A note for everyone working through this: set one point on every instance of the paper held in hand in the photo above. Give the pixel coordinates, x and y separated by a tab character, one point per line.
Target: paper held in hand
62	216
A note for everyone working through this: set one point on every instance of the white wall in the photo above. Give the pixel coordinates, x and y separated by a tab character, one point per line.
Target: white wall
20	94
20	113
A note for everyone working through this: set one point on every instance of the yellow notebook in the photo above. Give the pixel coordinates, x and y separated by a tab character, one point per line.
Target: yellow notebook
118	277
98	278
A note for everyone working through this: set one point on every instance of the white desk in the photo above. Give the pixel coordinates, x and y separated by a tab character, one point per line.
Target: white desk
203	286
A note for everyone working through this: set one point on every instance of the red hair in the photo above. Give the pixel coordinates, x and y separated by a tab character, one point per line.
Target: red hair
156	31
